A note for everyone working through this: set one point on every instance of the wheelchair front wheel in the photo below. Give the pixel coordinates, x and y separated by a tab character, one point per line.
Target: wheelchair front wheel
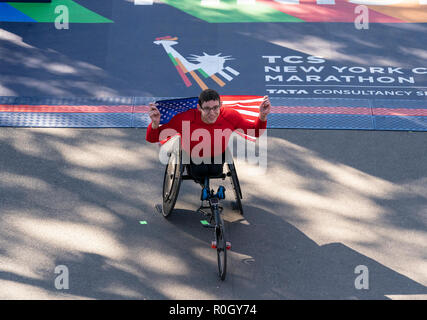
221	250
172	182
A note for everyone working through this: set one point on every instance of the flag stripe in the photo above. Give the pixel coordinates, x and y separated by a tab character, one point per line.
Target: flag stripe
247	106
241	99
247	113
244	107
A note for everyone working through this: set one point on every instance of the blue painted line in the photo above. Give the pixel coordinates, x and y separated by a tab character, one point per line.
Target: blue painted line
405	104
320	121
402	123
373	119
10	14
141	120
320	102
77	101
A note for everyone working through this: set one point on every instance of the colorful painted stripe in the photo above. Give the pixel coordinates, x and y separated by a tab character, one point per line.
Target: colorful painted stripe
10	14
229	11
181	70
203	73
183	76
218	80
66	109
199	81
406	10
341	11
46	12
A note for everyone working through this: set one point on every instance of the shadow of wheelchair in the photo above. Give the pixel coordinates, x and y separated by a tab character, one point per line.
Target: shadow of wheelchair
272	259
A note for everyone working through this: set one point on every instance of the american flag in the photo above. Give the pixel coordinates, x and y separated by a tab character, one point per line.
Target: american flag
169	108
248	106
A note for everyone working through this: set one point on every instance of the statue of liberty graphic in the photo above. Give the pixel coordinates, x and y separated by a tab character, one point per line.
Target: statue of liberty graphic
209	66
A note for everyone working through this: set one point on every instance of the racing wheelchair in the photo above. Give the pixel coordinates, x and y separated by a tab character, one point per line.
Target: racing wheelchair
176	171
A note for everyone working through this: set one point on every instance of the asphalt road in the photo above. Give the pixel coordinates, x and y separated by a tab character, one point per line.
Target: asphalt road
329	201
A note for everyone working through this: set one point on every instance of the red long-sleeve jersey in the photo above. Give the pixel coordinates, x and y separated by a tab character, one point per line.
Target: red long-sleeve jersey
198	138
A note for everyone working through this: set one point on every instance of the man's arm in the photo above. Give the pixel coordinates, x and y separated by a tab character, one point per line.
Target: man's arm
155	132
264	109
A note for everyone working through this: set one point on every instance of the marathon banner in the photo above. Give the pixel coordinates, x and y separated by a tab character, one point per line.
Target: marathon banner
345	49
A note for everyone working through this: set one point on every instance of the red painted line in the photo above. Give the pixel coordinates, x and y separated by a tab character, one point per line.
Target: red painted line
298	110
164	38
400	112
183	76
341	11
141	109
274	110
65	109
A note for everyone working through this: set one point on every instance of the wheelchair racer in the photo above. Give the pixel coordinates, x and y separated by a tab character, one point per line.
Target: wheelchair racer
209	116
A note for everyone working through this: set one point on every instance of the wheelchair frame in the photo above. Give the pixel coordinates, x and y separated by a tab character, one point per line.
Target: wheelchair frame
174	174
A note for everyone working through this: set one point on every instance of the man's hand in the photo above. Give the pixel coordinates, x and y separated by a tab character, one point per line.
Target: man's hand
154	114
264	109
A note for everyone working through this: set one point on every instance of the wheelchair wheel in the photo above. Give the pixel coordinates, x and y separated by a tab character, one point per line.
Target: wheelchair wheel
172	179
236	188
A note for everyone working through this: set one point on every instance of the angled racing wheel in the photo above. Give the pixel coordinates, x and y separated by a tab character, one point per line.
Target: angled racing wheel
172	177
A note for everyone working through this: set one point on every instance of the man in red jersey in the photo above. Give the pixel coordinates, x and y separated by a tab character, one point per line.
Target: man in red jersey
205	131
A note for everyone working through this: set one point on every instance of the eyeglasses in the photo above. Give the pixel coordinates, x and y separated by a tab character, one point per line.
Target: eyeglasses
207	109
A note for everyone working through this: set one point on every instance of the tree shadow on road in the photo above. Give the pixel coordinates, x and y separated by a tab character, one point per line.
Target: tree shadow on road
278	261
